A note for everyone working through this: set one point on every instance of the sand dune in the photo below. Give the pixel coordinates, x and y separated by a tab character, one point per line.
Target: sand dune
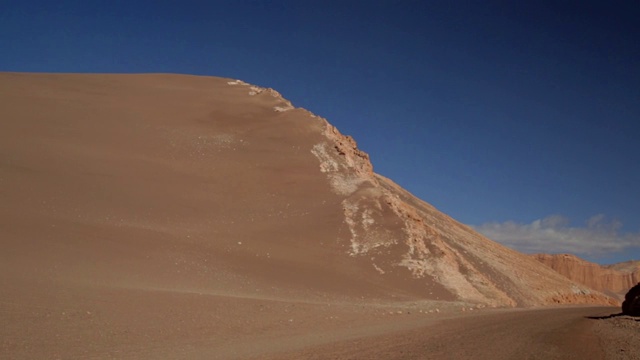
150	216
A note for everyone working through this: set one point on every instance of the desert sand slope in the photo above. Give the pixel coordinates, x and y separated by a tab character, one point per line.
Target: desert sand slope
140	209
614	279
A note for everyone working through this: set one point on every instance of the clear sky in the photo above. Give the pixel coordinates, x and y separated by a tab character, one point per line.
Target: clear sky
520	118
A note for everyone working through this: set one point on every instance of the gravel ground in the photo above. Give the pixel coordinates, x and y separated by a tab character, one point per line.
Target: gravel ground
620	336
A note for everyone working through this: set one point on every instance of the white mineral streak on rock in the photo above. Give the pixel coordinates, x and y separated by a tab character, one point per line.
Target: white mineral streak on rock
429	255
237	82
255	90
360	218
283	108
378	269
367	218
327	163
343	182
350	210
347	170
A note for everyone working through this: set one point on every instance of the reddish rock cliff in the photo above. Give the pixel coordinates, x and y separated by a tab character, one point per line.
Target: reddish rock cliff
613	279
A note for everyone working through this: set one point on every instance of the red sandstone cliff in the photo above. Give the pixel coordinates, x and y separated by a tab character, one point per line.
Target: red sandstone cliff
613	279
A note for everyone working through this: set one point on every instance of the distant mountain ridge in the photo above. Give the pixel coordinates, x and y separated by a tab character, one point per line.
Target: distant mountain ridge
625	266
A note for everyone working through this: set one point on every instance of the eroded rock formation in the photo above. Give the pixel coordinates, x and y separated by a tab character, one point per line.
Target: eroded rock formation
397	231
615	279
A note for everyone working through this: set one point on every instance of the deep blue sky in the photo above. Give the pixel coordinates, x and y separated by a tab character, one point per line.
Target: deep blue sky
501	112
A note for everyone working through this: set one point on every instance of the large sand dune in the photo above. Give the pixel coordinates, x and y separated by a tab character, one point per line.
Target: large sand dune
143	215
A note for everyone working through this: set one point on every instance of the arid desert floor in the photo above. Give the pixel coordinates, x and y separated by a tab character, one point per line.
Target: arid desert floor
166	324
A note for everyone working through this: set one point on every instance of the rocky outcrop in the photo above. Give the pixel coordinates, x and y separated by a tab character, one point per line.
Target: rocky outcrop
347	147
615	279
631	303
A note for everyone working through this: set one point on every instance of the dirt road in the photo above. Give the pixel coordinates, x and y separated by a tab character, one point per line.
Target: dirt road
129	324
566	333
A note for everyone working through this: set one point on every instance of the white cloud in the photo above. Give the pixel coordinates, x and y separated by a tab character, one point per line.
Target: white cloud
554	235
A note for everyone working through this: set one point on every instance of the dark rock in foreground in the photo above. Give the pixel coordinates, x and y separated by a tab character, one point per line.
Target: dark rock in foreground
631	304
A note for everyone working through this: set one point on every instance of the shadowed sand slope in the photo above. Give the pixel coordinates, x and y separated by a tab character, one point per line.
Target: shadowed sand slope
166	191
